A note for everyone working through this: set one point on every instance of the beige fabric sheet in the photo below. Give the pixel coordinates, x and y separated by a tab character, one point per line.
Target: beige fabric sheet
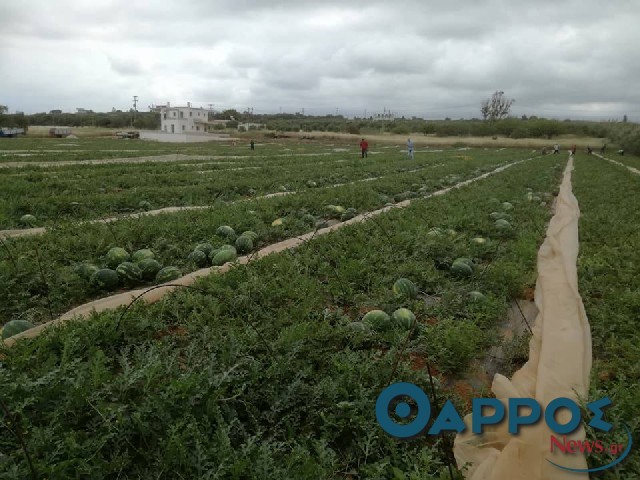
559	364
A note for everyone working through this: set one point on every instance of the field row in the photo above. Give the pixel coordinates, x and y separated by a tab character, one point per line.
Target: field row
90	192
41	274
266	371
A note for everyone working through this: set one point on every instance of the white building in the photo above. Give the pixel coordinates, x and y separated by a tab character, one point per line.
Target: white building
183	119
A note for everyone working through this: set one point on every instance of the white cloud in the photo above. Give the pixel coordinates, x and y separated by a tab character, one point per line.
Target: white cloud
434	58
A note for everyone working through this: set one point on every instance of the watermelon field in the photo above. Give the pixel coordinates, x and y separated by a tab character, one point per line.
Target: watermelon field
269	366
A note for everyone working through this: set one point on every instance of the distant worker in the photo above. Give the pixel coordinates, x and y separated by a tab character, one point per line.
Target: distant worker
544	150
253	145
556	148
603	148
410	148
573	149
621	152
589	151
364	146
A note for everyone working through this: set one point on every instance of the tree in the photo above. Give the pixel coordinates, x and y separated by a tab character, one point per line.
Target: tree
4	109
496	107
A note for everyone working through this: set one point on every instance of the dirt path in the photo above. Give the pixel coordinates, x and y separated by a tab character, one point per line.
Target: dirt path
615	162
153	294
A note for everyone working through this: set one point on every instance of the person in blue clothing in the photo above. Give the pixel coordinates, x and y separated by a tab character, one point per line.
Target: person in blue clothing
410	148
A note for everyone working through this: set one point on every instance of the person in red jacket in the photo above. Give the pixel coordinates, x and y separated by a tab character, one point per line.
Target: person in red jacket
364	146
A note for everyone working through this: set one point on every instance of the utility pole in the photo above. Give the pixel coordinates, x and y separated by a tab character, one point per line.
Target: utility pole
135	109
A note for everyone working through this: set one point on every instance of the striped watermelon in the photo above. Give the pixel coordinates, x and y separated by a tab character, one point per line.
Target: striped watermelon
129	272
149	268
198	258
404	317
142	254
85	270
167	274
225	231
28	220
378	319
405	288
105	279
205	247
116	256
224	256
252	235
244	244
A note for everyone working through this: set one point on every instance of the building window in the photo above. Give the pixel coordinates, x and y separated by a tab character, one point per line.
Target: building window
198	128
183	128
181	114
191	114
165	116
174	114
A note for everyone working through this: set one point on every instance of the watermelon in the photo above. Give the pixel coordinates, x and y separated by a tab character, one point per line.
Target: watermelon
502	224
277	222
205	247
378	319
252	235
404	317
451	232
465	260
226	246
224	256
15	327
461	269
167	274
144	205
129	272
311	184
105	279
244	244
358	327
405	288
85	270
507	206
141	255
499	215
435	232
348	215
322	224
149	268
477	296
479	240
116	256
225	231
28	220
198	258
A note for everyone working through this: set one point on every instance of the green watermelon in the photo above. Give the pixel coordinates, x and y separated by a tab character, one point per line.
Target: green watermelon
499	215
461	269
378	319
404	317
347	216
506	206
167	274
116	256
15	327
451	232
198	258
277	222
244	244
129	272
479	240
144	205
225	231
477	296
308	219
311	184
358	327
226	246
205	247
28	220
435	232
224	256
85	270
321	224
405	288
502	224
465	260
105	279
149	268
253	235
142	254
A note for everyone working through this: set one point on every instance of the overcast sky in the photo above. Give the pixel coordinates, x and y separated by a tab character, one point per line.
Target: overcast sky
434	59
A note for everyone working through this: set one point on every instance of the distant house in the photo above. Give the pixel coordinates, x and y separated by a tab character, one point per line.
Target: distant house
83	110
55	112
183	119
